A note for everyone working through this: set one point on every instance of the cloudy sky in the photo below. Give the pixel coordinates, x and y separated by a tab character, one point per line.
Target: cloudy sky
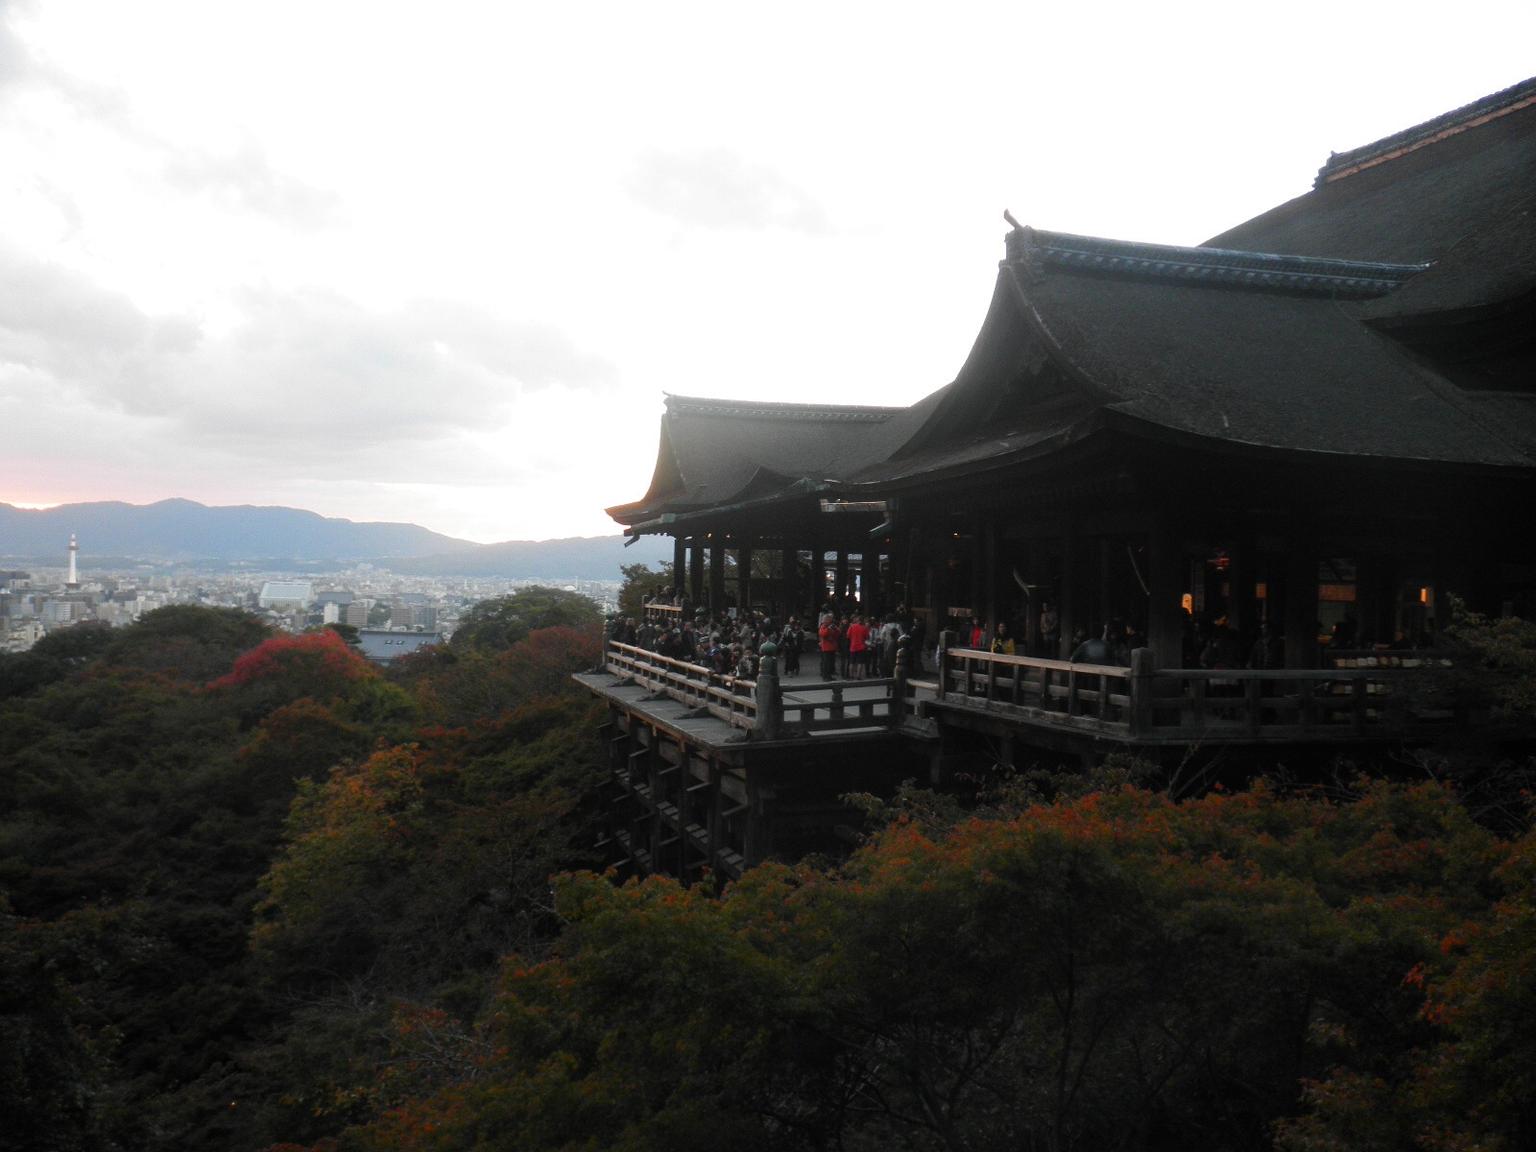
441	262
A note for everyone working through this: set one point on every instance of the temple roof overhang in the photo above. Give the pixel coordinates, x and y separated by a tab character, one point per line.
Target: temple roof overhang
1309	333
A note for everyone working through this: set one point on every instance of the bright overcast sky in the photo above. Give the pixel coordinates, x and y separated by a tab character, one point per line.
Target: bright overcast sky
440	262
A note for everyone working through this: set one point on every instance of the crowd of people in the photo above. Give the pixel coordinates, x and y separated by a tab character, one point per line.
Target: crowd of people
852	644
849	644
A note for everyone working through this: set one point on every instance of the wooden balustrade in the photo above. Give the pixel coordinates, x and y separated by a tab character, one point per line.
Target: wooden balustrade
1382	695
724	697
1141	703
811	709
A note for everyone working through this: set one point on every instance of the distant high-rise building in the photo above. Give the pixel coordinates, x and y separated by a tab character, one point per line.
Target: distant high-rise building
286	594
413	616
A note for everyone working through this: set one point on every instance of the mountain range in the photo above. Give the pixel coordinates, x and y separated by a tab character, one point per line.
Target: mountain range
186	531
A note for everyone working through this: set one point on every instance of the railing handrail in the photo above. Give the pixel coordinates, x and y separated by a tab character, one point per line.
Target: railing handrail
1370	697
1318	674
723	695
691	684
653	658
1039	662
1013	660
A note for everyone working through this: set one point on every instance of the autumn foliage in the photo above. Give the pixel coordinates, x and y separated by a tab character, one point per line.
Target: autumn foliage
1110	971
240	873
322	657
307	904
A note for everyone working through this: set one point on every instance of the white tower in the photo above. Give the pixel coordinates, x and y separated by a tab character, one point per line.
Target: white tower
74	574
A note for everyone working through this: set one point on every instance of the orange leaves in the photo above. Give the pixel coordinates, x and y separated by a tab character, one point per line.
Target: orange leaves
321	654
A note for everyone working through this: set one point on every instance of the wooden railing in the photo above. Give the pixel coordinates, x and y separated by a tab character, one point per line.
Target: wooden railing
809	709
665	615
727	698
1395	698
1139	704
1083	695
843	704
1386	658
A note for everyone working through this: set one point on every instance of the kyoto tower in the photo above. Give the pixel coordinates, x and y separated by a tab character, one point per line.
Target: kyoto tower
74	575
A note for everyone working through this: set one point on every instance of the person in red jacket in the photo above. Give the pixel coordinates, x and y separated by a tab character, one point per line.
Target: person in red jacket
858	648
828	636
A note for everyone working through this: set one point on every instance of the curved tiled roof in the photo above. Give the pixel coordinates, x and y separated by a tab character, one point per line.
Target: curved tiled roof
1274	336
1413	207
1275	371
716	451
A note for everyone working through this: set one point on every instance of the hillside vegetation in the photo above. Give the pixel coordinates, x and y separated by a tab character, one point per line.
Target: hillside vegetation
258	893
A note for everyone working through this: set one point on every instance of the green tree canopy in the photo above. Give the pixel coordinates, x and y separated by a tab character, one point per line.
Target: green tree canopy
493	625
186	641
640	580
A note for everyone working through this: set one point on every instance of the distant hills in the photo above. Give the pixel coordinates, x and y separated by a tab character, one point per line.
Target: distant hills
580	557
186	531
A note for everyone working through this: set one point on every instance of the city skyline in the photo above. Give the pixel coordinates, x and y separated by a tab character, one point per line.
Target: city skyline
442	272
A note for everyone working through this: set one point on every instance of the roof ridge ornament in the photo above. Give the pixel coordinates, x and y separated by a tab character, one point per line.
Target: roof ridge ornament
1227	267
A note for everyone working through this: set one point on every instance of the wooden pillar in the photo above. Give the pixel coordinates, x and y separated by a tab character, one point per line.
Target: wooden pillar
1103	609
715	826
653	783
1072	611
757	839
989	577
744	579
1242	614
1369	600
901	590
976	594
1301	602
840	591
1165	591
1452	575
1139	687
869	579
696	571
716	577
790	559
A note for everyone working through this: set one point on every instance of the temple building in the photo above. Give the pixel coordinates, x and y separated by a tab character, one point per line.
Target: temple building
1315	431
1323	419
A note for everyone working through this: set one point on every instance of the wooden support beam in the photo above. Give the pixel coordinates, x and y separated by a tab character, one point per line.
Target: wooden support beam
993	610
1165	590
789	582
1301	603
1073	608
696	571
870	591
716	577
744	579
653	779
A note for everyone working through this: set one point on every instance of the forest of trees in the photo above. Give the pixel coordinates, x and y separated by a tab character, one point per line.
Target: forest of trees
258	893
